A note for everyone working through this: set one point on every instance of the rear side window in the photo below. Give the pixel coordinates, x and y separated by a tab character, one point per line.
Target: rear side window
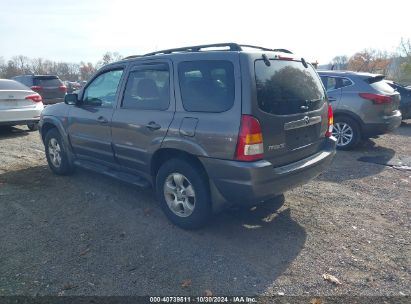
12	85
287	87
334	83
148	88
47	82
206	86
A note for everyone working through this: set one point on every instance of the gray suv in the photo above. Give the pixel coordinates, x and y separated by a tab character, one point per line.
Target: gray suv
50	87
205	126
364	106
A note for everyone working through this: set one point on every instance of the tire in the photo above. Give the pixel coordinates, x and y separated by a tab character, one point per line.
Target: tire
33	126
190	209
56	153
347	132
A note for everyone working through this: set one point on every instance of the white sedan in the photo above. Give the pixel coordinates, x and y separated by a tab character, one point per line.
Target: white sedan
19	105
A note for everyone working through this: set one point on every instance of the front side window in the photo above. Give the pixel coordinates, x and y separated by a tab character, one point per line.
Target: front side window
103	89
206	85
148	88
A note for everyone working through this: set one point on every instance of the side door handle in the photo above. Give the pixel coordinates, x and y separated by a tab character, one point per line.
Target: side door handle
331	99
102	120
153	126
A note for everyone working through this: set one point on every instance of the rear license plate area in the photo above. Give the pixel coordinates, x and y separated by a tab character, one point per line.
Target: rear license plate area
300	137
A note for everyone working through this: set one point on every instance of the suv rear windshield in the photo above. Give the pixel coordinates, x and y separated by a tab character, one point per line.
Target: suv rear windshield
378	83
207	85
51	81
287	87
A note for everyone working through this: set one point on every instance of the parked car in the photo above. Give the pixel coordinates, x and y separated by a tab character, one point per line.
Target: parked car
405	104
19	105
364	106
205	128
50	87
72	86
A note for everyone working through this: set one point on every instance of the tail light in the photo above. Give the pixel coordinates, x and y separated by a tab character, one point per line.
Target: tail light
330	122
34	98
36	88
250	140
377	98
63	88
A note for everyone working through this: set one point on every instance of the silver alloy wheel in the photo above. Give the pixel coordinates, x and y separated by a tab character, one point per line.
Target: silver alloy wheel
54	152
343	132
179	194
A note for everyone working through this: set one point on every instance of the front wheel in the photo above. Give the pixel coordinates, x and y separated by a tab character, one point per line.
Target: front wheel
56	153
347	133
183	192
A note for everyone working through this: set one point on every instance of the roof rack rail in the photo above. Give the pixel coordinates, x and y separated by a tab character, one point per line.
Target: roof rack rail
197	48
283	51
132	56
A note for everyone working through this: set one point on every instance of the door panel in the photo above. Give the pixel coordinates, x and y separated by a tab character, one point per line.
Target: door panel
89	123
141	122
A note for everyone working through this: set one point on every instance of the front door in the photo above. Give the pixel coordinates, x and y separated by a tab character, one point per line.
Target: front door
89	124
141	121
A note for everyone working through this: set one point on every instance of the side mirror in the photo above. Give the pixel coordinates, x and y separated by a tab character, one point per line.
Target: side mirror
71	99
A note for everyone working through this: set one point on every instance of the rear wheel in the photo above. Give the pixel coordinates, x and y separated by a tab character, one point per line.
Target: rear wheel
183	193
347	133
56	153
33	126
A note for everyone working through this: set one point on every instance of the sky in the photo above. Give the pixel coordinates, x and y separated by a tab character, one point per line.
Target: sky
83	30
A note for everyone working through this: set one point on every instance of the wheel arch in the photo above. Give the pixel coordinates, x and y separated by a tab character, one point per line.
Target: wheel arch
351	115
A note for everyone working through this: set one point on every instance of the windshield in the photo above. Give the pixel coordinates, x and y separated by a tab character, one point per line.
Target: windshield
287	87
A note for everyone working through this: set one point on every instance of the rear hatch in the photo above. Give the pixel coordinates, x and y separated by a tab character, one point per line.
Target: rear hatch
292	109
49	87
381	87
13	96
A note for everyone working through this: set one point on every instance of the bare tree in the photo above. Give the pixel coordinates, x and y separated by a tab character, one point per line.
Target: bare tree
339	62
109	57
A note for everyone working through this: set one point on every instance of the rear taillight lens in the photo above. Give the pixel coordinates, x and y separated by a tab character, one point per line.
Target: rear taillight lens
330	122
250	140
34	98
376	98
63	88
36	88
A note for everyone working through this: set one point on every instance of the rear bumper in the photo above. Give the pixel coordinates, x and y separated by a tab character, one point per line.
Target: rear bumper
20	116
248	183
389	124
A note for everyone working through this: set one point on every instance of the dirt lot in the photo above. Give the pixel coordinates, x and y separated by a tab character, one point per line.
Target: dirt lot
90	235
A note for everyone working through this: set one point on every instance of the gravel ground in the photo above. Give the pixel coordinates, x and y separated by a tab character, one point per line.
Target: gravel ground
91	235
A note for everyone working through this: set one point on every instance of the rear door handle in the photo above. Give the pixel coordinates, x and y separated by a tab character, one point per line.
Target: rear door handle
153	126
102	120
332	99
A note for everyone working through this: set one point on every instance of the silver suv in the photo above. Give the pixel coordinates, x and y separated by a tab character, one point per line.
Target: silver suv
364	106
205	126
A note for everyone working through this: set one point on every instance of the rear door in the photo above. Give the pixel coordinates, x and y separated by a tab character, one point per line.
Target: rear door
146	110
292	108
334	89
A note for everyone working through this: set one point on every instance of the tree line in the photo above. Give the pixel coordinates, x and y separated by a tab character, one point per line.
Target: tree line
396	66
20	65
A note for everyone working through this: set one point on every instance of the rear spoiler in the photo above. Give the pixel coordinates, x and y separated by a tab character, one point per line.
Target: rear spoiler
375	78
